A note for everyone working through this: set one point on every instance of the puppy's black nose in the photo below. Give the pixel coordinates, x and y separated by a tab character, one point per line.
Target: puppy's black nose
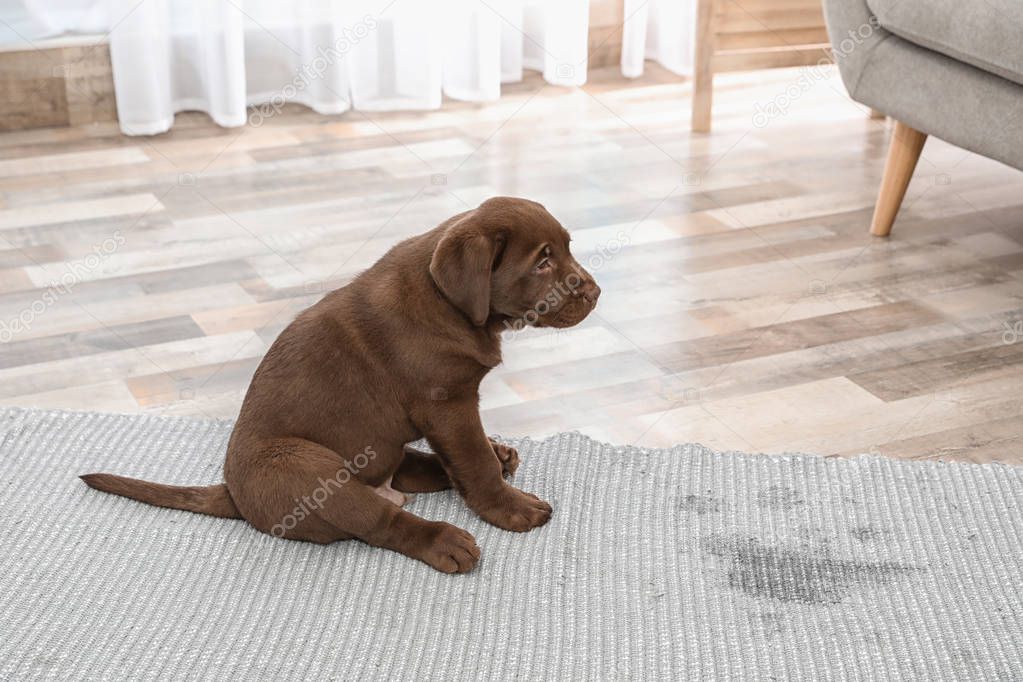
591	292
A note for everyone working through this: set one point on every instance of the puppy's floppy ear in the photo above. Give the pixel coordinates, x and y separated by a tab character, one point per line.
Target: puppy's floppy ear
462	263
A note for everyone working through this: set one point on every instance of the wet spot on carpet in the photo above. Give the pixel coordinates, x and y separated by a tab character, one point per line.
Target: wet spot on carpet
779	498
803	575
700	504
868	533
770	623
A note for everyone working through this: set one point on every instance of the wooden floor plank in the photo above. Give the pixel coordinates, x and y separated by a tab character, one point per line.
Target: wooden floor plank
744	305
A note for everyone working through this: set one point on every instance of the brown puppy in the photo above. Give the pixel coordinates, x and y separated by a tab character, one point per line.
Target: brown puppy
396	355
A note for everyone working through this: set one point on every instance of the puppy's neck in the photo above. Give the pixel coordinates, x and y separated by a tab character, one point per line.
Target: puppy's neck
489	347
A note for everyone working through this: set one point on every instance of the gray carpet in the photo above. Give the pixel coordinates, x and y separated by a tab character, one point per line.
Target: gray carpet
680	563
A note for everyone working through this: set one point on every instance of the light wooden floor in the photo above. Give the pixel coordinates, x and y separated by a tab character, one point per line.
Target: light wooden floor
744	306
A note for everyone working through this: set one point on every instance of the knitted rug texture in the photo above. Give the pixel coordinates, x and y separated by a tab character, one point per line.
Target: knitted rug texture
681	563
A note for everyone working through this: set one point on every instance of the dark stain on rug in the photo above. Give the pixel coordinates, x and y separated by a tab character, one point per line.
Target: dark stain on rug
779	498
770	623
700	504
807	576
868	533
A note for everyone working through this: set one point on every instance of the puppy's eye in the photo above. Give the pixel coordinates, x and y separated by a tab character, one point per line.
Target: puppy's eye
544	263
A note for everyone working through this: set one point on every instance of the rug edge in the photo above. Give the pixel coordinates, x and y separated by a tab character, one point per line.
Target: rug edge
766	457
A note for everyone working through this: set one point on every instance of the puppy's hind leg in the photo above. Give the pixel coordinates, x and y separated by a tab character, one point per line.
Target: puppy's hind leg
423	472
387	491
420	472
354	509
508	455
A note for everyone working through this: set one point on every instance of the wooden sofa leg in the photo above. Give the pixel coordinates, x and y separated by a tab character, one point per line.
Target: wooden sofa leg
903	153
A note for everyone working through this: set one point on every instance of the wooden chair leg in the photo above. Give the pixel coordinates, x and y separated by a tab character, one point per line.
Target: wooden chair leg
703	73
903	152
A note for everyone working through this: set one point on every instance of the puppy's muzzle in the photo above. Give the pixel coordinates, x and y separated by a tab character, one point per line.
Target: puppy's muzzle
590	292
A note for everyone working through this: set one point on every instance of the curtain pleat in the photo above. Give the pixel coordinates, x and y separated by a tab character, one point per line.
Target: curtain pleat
661	30
221	56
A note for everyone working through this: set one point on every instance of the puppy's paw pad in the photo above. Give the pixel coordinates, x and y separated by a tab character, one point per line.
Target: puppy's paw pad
520	523
451	550
518	511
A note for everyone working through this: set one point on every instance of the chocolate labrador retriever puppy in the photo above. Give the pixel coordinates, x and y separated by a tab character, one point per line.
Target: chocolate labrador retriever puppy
319	451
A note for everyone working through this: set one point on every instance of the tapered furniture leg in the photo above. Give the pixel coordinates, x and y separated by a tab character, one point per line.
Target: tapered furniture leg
903	153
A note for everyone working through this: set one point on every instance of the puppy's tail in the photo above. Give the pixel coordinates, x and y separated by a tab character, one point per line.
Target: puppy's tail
211	499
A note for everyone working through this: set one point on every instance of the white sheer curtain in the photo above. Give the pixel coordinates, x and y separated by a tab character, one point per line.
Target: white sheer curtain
661	30
54	17
221	56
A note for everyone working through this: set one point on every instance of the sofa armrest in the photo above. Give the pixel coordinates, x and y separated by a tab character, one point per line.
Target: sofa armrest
855	33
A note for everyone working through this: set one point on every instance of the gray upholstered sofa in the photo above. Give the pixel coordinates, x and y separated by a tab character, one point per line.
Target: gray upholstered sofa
948	68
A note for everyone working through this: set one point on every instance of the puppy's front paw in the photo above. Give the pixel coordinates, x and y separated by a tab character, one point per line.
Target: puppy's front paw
516	510
509	458
450	549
